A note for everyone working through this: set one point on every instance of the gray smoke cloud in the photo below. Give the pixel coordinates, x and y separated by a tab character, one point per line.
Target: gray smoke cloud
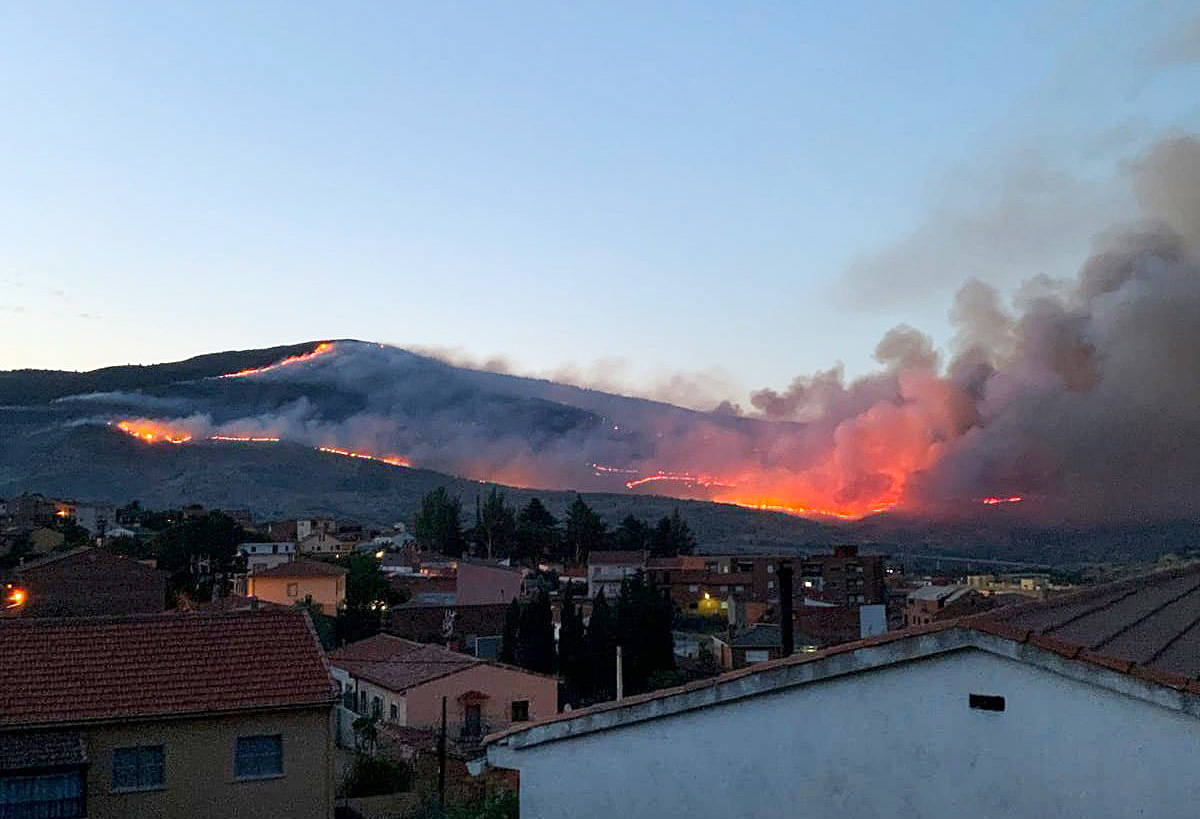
1081	396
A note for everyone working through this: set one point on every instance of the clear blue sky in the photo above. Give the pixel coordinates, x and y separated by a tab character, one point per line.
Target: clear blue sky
687	186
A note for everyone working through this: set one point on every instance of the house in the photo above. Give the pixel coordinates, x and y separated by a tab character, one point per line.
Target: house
480	583
306	527
89	581
462	628
214	715
928	604
756	643
1081	705
844	577
606	570
403	683
268	555
323	543
299	581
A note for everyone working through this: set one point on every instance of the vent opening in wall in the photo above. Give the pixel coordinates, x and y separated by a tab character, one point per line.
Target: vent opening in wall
986	702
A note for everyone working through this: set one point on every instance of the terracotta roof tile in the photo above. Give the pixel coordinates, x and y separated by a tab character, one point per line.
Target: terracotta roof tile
63	671
302	568
398	664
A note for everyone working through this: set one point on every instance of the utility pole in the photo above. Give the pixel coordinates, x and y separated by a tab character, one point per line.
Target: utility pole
620	677
442	759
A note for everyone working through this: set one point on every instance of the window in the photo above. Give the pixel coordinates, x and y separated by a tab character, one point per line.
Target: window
739	588
770	584
59	795
376	707
986	702
362	702
137	769
770	568
693	588
293	590
520	711
394	713
258	757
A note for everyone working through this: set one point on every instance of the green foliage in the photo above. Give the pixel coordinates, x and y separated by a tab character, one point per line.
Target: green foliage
508	640
495	525
74	535
600	661
672	536
375	776
368	596
631	535
535	636
643	630
438	525
199	552
572	650
501	804
585	531
537	532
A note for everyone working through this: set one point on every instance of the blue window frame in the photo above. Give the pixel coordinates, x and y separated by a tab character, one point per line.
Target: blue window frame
59	795
137	769
260	756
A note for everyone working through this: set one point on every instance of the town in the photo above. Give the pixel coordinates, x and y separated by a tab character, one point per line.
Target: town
159	660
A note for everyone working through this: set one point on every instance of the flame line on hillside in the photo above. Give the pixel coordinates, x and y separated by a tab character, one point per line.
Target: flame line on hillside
321	349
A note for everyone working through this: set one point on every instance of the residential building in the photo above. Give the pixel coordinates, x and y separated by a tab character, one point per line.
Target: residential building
261	556
300	581
213	715
607	569
306	527
843	578
702	582
97	518
324	543
929	604
403	683
756	643
462	628
1081	705
480	583
89	581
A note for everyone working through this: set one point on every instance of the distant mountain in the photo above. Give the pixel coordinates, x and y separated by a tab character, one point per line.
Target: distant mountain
107	435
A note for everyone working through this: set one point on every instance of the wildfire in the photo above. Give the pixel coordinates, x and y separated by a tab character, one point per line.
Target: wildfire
390	460
686	478
245	439
153	433
600	469
995	501
321	349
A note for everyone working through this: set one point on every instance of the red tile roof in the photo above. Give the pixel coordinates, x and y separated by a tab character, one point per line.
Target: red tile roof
617	558
302	568
67	671
398	664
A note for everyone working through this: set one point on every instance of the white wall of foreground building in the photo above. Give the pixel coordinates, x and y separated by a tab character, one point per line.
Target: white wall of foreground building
892	741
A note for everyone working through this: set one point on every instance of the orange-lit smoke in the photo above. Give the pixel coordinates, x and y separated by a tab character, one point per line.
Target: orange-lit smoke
324	348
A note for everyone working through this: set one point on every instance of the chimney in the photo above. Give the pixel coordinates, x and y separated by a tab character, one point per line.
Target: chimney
787	632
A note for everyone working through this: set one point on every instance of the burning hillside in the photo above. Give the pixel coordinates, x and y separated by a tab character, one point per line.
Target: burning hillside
1079	401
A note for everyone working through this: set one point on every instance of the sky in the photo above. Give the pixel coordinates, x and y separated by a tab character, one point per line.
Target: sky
691	200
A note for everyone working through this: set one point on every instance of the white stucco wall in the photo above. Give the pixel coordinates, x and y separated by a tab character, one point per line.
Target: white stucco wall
893	742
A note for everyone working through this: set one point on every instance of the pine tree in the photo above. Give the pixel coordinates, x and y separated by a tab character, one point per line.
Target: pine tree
585	531
438	525
672	536
537	532
508	640
601	646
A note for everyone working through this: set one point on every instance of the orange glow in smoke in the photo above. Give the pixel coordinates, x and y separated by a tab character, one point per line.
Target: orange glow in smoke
321	349
153	433
245	439
685	478
995	501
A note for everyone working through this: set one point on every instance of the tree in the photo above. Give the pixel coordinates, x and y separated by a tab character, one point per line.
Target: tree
200	554
535	637
672	536
631	535
438	525
584	531
508	640
643	630
368	596
572	651
601	646
495	524
537	532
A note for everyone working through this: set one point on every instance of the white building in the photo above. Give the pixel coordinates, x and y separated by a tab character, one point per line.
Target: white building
261	556
606	570
1081	706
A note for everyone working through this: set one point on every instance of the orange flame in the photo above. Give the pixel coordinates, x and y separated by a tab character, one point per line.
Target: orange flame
153	433
321	349
685	478
245	439
390	460
995	501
